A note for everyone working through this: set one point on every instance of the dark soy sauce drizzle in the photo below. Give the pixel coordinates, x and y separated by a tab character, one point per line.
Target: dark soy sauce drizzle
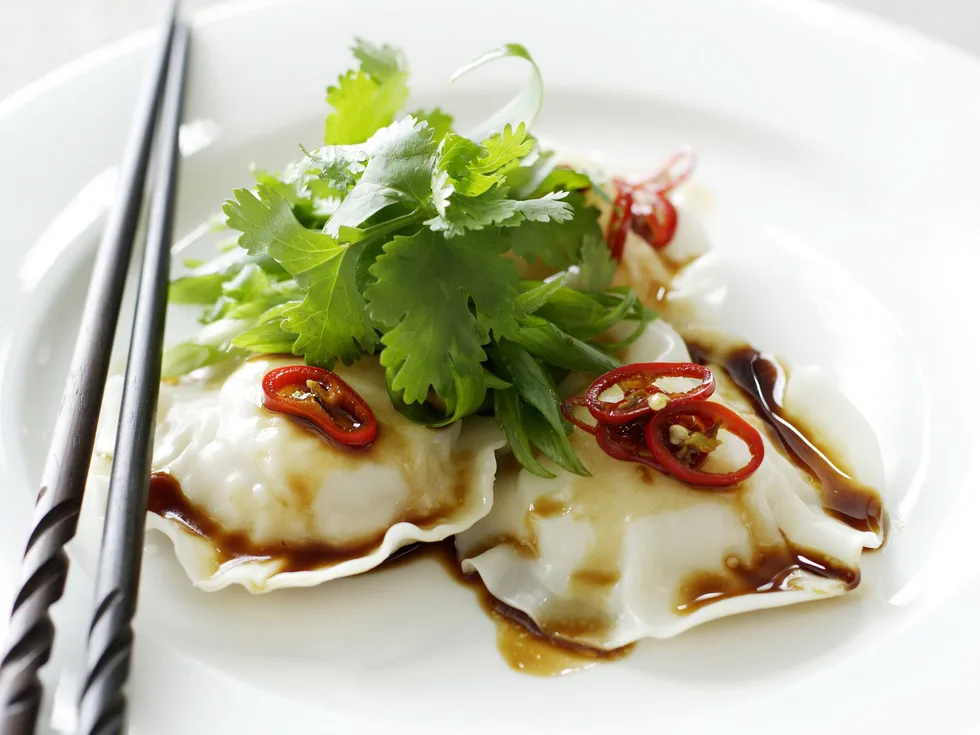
521	643
168	501
762	379
771	570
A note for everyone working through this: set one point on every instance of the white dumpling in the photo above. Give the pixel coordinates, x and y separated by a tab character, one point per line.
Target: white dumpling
269	482
607	560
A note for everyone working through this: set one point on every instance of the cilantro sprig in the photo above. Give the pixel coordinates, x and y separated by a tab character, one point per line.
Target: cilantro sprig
401	236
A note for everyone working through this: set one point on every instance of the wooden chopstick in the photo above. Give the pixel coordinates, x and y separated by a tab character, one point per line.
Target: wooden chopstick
102	708
45	566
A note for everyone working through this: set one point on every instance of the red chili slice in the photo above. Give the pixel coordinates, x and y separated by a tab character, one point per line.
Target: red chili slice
322	398
660	225
568	411
626	442
712	414
620	220
637	383
652	215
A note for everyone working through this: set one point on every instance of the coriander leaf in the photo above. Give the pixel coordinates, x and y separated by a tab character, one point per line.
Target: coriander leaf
381	230
331	321
548	208
540	173
426	413
266	338
203	290
400	170
268	225
439	299
369	254
441	122
456	153
275	296
460	213
597	267
203	284
524	107
442	191
379	62
494	209
502	151
312	200
336	165
559	242
287	186
250	282
363	105
421	413
562	179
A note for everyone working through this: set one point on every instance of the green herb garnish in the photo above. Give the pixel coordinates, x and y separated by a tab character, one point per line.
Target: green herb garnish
399	236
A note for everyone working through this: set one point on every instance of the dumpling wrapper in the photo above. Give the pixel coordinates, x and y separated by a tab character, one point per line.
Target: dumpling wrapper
601	561
279	483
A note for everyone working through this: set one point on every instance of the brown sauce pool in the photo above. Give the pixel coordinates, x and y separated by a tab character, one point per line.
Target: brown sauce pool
521	643
523	646
167	500
762	379
771	570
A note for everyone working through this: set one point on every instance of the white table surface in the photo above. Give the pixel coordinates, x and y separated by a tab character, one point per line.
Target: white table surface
37	36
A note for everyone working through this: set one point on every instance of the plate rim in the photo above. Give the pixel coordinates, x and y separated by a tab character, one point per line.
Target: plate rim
895	36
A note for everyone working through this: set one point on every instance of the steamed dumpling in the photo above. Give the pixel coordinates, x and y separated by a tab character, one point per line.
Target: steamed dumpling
630	553
268	489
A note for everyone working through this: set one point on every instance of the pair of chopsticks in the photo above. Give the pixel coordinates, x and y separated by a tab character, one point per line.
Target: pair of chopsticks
102	705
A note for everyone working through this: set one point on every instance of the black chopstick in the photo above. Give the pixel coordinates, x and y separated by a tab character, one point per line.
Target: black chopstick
45	566
102	708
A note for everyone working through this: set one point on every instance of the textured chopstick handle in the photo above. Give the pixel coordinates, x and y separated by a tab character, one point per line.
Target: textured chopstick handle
102	708
30	637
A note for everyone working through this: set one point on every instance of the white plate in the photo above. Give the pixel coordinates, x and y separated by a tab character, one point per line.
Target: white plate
841	156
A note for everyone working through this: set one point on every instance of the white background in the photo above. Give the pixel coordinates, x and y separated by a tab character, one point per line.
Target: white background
37	36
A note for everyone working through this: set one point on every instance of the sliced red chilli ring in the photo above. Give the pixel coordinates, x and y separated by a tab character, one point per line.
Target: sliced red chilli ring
654	216
568	411
324	400
659	226
641	396
627	443
620	221
668	455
